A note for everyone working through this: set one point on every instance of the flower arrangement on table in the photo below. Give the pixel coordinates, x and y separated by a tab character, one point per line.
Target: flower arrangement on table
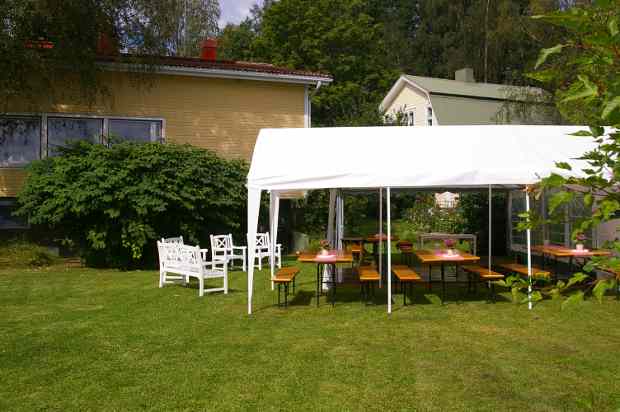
450	244
580	238
325	246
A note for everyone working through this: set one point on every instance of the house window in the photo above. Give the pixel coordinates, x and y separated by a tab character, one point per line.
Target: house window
429	116
61	131
135	130
409	118
24	138
20	140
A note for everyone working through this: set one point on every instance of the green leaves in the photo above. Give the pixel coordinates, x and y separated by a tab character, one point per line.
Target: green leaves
573	300
545	53
559	199
601	287
613	26
113	203
586	89
610	106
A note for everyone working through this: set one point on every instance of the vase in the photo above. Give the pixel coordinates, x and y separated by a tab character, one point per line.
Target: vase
579	246
451	252
324	252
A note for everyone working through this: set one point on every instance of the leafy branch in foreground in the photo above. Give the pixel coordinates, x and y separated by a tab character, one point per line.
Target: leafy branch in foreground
585	71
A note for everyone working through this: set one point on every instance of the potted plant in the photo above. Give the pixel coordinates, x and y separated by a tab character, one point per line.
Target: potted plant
324	244
580	238
450	243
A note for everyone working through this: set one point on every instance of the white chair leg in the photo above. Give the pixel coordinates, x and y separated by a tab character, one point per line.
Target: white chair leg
201	291
279	256
162	276
260	263
244	260
225	282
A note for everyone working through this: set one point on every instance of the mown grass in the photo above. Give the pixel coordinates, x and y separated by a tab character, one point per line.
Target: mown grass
85	339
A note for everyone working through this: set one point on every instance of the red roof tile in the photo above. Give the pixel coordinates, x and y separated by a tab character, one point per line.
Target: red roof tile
198	63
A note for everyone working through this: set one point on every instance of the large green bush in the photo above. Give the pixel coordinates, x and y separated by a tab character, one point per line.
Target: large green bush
112	203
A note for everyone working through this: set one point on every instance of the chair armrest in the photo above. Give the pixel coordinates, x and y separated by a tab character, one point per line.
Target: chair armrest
204	254
239	247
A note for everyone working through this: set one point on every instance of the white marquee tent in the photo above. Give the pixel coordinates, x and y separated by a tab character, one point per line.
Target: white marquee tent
439	157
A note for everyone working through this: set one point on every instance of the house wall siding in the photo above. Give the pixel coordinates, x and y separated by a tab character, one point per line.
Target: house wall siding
408	98
224	115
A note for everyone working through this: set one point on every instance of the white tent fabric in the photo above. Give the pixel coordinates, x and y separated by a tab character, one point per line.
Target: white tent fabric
405	157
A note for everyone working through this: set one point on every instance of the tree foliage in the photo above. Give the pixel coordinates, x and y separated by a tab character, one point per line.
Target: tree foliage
366	44
45	43
113	203
585	70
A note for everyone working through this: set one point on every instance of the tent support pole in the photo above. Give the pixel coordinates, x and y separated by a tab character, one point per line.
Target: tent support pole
529	251
490	228
389	252
380	237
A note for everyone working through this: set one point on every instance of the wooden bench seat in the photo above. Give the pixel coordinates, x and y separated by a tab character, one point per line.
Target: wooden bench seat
406	276
482	272
522	270
368	276
477	273
285	276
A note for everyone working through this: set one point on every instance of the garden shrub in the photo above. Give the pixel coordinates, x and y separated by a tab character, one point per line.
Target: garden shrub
112	203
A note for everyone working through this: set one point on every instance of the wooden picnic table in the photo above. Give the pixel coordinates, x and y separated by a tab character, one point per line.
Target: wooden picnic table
340	256
431	258
557	252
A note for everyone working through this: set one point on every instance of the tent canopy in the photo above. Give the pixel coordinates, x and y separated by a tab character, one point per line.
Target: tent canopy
416	157
462	157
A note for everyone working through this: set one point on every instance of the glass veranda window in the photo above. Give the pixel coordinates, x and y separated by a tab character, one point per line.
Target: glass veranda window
61	131
135	130
20	140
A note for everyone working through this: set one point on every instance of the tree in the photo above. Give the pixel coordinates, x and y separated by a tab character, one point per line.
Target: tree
47	43
585	70
183	24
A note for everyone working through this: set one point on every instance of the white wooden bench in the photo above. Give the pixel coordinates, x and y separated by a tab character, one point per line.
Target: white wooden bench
189	261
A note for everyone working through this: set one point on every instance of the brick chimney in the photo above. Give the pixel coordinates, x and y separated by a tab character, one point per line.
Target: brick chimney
208	50
465	75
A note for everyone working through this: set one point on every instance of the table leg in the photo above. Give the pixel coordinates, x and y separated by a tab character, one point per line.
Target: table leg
333	275
430	272
570	265
318	286
443	284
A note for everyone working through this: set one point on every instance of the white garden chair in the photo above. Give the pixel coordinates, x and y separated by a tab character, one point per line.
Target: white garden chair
222	248
173	240
263	250
168	278
189	261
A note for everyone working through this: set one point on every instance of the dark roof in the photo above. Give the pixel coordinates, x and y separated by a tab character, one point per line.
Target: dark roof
227	65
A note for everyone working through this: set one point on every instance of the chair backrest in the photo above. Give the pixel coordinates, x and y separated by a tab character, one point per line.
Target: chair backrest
177	257
262	241
221	247
173	240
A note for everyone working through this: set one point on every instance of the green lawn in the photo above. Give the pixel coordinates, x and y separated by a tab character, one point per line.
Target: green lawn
85	339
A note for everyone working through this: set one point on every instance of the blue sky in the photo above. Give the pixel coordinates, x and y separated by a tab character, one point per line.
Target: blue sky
233	11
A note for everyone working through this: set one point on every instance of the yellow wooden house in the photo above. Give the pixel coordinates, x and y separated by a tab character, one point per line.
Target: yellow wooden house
219	105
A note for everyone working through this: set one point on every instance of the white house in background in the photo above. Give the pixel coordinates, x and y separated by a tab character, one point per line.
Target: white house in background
430	101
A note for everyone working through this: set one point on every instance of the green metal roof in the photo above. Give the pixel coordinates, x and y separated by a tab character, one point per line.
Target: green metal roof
471	89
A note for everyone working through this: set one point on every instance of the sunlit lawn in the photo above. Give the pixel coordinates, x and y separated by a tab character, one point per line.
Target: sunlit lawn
85	339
